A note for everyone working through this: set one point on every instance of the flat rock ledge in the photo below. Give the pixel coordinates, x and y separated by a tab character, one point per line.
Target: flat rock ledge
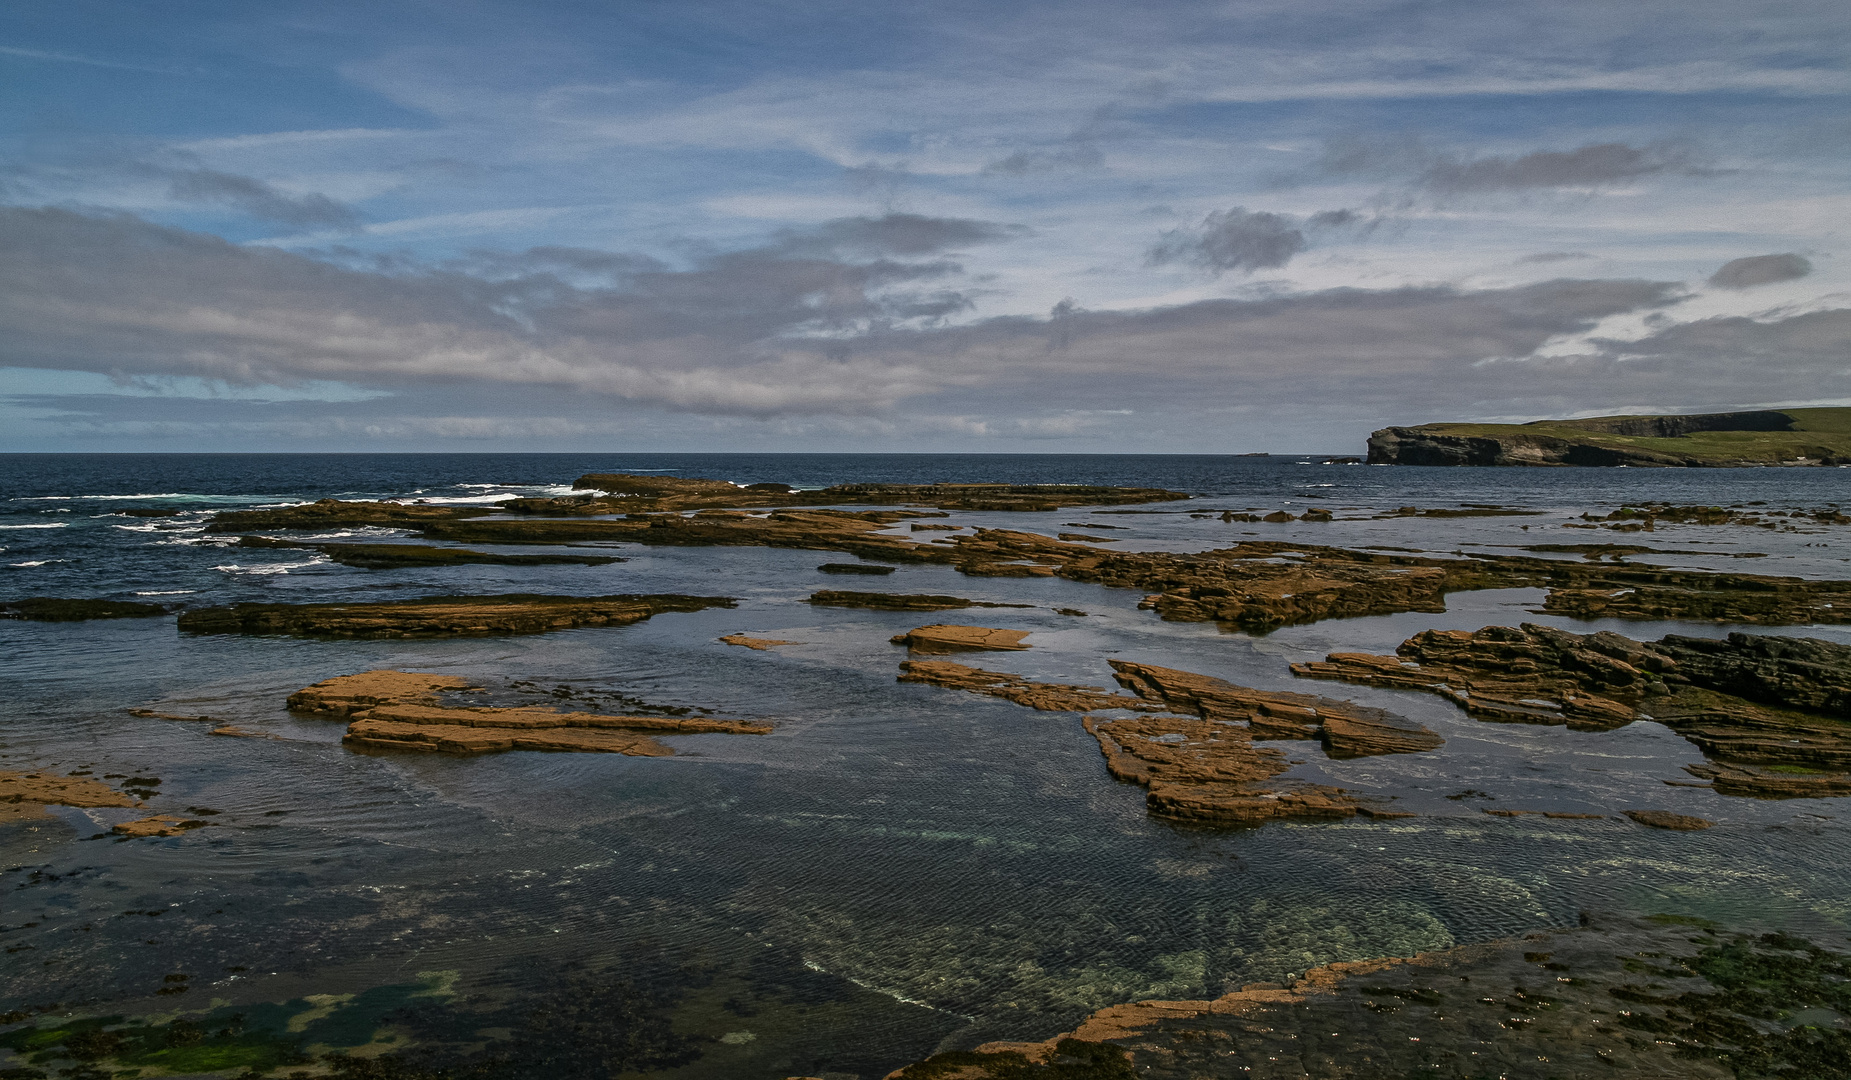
1190	740
759	644
442	616
402	711
946	638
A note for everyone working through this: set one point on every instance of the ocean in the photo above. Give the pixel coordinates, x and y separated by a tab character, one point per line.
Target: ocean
897	868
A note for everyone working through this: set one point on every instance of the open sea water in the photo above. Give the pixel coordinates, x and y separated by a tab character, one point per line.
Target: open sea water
898	868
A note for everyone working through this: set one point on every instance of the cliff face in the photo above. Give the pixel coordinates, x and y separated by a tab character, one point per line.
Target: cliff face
1711	440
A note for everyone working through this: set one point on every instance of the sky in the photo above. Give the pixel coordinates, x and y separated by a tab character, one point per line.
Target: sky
679	225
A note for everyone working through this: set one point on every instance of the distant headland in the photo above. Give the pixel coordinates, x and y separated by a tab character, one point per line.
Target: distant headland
1710	440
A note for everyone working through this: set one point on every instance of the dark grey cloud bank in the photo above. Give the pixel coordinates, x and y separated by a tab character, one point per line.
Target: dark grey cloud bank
1239	239
1760	270
846	321
1411	161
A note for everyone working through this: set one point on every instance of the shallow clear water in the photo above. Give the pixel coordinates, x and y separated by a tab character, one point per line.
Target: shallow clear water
897	867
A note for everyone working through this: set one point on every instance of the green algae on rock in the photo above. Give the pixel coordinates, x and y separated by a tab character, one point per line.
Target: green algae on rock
442	616
1670	997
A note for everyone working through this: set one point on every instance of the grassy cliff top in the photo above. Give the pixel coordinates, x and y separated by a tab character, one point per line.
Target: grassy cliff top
1812	434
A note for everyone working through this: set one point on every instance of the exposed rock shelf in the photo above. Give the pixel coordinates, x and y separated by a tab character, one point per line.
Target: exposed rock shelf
1773	714
442	616
1261	586
1205	767
945	638
622	493
1787	437
399	710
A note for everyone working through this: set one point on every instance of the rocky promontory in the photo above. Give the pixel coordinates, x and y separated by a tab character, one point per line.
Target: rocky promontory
1709	440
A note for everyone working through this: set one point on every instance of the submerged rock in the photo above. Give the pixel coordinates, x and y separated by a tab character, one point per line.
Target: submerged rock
402	710
871	569
26	794
63	609
1665	819
944	638
1671	997
442	616
1770	712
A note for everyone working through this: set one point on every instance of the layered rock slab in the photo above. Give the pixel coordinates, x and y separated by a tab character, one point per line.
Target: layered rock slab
399	710
947	638
1261	586
1203	767
1773	714
442	616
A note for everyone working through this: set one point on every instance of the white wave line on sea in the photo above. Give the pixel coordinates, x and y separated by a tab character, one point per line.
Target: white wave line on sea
51	525
894	994
273	568
168	592
37	562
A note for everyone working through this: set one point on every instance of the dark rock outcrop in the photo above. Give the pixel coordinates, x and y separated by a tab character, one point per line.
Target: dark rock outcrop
1771	713
393	556
441	616
891	601
65	609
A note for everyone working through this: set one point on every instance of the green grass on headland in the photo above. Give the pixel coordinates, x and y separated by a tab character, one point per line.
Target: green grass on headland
1815	435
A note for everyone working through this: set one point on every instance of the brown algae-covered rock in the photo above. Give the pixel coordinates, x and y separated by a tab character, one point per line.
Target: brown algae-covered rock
758	643
157	825
25	795
1665	819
